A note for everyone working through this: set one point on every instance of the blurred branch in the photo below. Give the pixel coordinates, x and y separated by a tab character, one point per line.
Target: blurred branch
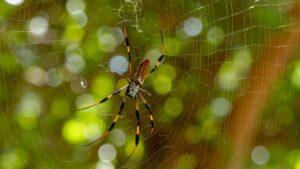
256	91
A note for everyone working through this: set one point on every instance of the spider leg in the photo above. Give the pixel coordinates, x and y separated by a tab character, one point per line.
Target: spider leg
150	112
122	105
127	47
145	91
105	98
137	114
137	135
162	50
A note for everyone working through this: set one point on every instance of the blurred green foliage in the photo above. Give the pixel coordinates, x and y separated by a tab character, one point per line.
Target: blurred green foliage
55	55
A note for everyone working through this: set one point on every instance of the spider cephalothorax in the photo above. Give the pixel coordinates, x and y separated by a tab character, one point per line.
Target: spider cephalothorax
132	91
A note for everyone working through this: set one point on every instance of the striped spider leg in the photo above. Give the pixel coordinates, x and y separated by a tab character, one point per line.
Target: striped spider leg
117	116
148	107
127	46
105	98
140	76
132	92
161	57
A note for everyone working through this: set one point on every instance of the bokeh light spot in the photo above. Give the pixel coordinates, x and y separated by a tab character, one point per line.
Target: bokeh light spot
162	85
107	153
242	60
193	26
80	18
73	131
295	76
107	42
14	2
118	64
192	135
38	26
27	120
119	35
167	70
13	159
53	77
28	110
294	158
172	47
103	85
234	69
260	155
35	75
209	129
60	108
215	35
228	78
93	130
117	137
75	5
104	165
173	106
220	106
74	33
74	63
297	165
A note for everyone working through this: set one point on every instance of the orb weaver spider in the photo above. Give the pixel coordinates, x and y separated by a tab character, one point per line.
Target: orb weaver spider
132	91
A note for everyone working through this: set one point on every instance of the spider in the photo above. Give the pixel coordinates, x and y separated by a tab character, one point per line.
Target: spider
132	91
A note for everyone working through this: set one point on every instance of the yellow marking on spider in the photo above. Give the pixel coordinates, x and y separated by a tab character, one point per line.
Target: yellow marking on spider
151	117
138	130
128	49
108	97
143	99
116	118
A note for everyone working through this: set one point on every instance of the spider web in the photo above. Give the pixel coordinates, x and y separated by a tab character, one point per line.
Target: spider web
231	67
